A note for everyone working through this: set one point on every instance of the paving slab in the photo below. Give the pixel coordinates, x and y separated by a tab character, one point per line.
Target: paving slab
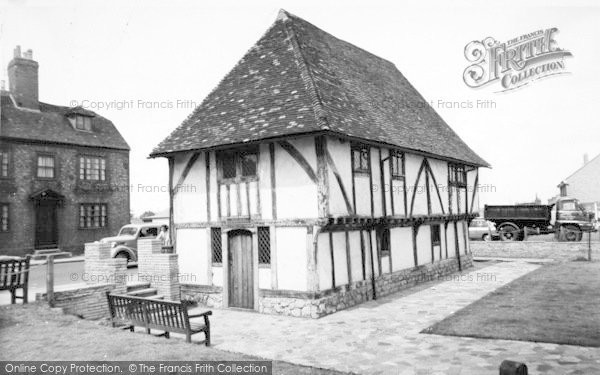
383	336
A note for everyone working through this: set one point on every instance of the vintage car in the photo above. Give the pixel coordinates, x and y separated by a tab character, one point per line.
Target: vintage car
124	244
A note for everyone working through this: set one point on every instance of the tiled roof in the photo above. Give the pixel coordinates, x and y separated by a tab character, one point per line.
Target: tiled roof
299	79
50	124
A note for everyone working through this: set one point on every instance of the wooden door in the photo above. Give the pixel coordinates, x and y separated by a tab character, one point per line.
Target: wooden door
241	272
46	233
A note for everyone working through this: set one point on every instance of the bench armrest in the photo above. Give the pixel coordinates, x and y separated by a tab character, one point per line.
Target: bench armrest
199	315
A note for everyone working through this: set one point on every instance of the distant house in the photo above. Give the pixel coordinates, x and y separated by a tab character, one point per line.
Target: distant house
584	184
161	217
64	172
321	179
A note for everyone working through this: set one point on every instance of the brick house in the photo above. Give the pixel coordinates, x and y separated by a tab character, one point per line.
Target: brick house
64	172
322	179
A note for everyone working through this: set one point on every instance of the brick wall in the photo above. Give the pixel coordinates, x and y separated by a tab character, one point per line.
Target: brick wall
561	251
161	270
22	182
88	302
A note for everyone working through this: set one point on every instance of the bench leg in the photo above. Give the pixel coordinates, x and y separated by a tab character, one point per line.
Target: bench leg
25	296
148	330
188	337
13	296
167	335
131	328
207	336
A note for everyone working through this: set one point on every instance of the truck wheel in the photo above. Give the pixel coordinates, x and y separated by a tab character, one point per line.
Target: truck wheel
509	232
572	233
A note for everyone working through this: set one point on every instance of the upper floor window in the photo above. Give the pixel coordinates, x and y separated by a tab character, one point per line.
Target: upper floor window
45	166
360	158
3	217
3	163
92	215
92	168
83	123
457	175
397	164
239	164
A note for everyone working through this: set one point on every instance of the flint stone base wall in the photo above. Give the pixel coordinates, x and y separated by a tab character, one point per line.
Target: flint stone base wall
88	302
319	304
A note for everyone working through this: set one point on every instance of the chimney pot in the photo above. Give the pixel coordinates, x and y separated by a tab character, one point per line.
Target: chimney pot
17	51
28	54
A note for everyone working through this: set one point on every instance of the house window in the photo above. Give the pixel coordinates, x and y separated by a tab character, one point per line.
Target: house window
563	190
264	245
360	158
83	123
457	175
92	168
92	215
3	217
397	160
435	235
3	163
215	244
45	166
385	242
238	165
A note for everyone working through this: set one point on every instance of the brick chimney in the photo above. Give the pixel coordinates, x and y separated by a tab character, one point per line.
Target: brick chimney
23	79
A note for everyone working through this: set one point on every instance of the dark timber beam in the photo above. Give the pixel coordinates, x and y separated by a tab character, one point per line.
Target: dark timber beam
338	178
297	156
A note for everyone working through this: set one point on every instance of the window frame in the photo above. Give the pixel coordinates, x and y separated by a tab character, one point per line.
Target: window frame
237	155
86	121
454	170
5	161
103	207
384	234
4	205
261	247
397	158
213	246
37	165
439	234
102	172
360	148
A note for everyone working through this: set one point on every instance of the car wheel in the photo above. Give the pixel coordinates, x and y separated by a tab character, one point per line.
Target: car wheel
123	255
486	237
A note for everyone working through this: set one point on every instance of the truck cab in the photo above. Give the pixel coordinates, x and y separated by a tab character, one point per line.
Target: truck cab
570	219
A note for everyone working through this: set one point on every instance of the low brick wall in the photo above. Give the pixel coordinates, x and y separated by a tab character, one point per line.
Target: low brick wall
560	251
318	304
88	302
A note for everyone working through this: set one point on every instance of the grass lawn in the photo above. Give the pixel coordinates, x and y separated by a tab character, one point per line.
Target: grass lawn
557	303
35	332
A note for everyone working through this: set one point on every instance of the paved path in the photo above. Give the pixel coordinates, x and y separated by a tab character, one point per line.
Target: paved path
383	336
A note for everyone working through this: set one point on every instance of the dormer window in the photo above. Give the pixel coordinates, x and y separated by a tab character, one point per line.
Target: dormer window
83	123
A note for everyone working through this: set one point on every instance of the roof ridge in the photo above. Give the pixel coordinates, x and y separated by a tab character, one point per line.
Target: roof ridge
305	72
580	168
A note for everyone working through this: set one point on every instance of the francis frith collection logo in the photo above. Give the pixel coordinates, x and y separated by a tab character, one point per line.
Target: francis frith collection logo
514	63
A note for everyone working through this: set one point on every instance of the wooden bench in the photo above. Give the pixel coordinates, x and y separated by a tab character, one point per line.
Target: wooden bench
14	274
167	316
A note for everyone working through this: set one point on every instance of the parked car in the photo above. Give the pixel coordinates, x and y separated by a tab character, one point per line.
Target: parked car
124	244
481	229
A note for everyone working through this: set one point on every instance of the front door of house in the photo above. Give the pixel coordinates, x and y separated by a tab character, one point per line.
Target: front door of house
46	233
241	272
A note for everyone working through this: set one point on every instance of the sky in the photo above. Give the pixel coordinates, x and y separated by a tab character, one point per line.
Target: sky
145	65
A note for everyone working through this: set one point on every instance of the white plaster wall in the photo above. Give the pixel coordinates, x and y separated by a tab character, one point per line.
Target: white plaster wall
451	241
189	202
413	163
355	255
340	153
323	262
296	192
217	276
264	278
385	264
377	188
402	248
374	249
291	258
193	254
397	193
387	188
363	195
264	180
424	245
465	229
339	258
439	169
214	208
473	200
583	183
443	241
461	237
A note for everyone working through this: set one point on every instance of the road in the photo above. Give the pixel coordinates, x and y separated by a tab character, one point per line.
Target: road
65	275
